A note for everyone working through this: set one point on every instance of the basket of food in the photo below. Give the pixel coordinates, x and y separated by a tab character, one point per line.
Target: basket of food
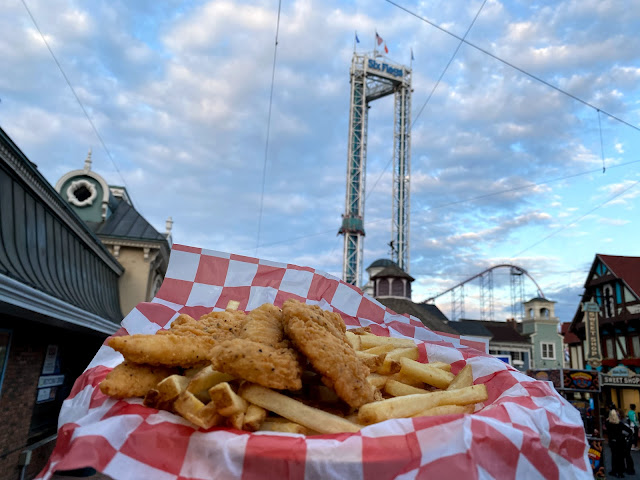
245	368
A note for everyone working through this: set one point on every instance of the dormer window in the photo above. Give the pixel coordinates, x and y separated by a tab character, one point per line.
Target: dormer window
81	193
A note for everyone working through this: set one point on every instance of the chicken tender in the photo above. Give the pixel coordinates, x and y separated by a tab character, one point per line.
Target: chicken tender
217	325
133	380
169	350
270	367
264	325
320	336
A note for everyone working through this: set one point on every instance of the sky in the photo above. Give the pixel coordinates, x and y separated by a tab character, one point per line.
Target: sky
184	108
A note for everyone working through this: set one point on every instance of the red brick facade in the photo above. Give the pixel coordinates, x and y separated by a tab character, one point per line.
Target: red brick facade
24	422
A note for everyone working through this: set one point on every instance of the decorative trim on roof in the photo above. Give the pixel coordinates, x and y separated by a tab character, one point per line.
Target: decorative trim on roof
21	166
23	296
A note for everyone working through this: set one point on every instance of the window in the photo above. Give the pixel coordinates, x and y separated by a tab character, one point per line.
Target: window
548	351
5	340
635	341
608	346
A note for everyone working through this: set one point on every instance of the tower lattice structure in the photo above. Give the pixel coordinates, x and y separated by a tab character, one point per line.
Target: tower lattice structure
373	77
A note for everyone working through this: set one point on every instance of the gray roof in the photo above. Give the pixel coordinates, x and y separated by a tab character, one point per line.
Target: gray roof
392	271
126	222
471	327
425	313
382	262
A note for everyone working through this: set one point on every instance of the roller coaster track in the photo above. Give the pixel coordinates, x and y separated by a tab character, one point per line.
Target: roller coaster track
486	292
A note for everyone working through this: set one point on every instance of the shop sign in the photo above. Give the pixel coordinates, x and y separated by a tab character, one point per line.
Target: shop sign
618	381
46	395
593	355
580	380
50	381
49	365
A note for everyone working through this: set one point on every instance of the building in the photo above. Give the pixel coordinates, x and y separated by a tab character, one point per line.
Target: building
391	286
109	212
543	329
534	343
612	293
58	302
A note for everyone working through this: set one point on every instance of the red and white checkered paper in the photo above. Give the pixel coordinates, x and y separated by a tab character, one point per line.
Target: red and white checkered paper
525	429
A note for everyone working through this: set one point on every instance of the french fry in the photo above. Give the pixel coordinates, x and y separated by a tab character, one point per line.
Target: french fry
409	405
287	427
406	379
372	361
446	410
426	373
236	420
440	365
463	379
205	379
377	380
394	357
297	412
398	389
253	418
165	393
369	341
226	400
380	349
354	341
192	409
232	305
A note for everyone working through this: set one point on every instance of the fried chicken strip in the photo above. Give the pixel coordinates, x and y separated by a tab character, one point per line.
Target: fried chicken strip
264	325
270	367
217	325
320	336
133	380
169	350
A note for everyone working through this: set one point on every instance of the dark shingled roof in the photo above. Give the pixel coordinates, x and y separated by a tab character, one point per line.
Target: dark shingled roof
499	331
382	262
126	222
392	271
471	327
425	313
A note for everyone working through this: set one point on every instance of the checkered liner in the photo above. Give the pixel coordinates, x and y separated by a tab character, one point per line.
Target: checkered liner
525	429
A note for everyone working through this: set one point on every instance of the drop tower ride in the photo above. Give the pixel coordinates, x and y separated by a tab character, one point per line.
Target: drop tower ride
374	77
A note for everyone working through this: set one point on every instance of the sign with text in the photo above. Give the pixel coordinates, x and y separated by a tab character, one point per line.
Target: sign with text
593	354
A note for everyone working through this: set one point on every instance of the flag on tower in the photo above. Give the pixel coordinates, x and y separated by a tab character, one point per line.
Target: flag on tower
357	39
379	39
386	50
412	59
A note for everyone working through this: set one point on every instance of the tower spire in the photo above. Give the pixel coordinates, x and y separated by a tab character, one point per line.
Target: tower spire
87	162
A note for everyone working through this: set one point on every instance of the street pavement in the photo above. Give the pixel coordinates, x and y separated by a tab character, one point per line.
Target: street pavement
635	456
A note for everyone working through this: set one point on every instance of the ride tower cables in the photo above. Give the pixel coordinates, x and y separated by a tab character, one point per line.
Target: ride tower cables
373	77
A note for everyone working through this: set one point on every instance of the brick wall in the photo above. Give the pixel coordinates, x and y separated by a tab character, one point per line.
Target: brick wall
26	355
27	351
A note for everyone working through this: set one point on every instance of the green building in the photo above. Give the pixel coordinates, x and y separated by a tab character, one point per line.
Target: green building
542	327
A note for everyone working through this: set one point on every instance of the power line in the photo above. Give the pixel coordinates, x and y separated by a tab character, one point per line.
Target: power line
573	222
448	64
509	64
430	95
457	202
86	114
266	146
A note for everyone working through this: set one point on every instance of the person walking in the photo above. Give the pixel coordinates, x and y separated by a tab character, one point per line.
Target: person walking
616	443
633	422
627	432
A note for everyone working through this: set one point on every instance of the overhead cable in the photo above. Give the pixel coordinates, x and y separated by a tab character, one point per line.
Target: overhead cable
266	143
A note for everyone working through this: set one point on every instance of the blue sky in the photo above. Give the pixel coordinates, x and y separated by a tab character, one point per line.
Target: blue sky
504	168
